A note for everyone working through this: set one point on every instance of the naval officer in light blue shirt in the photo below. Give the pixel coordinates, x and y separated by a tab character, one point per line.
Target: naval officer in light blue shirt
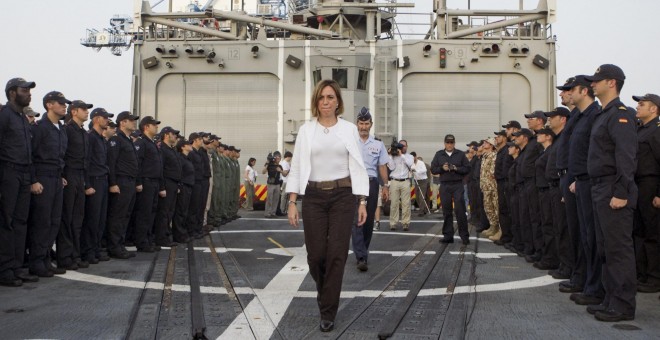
375	159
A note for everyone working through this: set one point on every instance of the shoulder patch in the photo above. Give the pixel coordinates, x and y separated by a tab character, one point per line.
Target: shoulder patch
137	147
113	143
623	120
623	108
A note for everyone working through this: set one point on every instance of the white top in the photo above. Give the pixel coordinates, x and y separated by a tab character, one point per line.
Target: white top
285	167
252	175
400	166
301	164
419	170
329	156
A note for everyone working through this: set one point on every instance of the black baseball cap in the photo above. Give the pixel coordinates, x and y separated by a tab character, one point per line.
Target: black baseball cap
536	114
500	133
232	148
148	120
450	138
126	115
512	124
19	82
649	97
567	84
607	71
112	124
56	96
193	136
558	111
472	143
237	149
169	129
364	114
79	104
509	144
546	131
215	137
136	134
524	132
100	112
181	143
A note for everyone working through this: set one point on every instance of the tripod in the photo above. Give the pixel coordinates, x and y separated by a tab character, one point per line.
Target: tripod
420	189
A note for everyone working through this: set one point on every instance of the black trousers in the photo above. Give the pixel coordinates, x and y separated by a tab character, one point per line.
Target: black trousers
616	246
165	212
484	224
179	221
146	203
361	237
14	207
192	222
549	253
530	218
453	191
201	209
503	210
473	200
593	284
120	207
73	213
646	229
96	213
562	238
572	221
45	219
514	204
327	218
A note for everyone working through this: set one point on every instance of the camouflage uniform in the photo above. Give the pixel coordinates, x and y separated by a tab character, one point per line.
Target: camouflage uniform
488	186
215	210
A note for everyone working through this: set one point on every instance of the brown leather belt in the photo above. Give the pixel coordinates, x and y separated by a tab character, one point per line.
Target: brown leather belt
329	185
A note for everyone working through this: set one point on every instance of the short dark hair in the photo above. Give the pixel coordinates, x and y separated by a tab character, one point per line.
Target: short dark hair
619	85
288	154
590	91
414	154
252	159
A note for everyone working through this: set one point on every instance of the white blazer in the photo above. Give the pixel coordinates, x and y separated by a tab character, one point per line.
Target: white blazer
301	164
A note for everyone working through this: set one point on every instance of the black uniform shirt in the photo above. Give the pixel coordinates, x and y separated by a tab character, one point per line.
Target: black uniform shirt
528	161
122	158
171	163
187	170
48	147
540	165
475	168
512	171
648	152
551	169
150	161
15	137
579	140
196	159
519	166
613	147
563	144
97	155
206	161
457	158
502	164
77	147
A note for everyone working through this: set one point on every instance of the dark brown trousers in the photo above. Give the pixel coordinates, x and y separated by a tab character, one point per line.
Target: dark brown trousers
327	218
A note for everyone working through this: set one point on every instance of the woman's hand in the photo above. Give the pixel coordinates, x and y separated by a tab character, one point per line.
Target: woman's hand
292	214
362	215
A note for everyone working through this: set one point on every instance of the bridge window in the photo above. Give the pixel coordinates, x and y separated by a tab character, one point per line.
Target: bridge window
317	76
340	75
363	76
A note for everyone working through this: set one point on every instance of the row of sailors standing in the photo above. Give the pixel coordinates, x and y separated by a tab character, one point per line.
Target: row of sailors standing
96	191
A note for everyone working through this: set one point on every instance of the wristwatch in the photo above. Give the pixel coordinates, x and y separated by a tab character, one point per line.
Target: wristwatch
362	199
387	185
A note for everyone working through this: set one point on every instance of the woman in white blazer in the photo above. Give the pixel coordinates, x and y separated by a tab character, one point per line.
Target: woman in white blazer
327	168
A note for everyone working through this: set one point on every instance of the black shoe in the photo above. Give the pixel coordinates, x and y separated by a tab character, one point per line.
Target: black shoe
120	255
585	300
147	249
26	277
559	275
446	240
405	227
466	241
326	326
182	241
362	265
499	242
68	266
53	269
592	309
82	264
13	281
644	287
569	287
611	315
168	244
532	258
93	260
103	258
545	266
41	272
129	244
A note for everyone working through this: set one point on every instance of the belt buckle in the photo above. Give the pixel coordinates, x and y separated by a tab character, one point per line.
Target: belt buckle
329	185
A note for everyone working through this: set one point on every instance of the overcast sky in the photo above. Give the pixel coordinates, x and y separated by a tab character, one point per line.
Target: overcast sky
42	43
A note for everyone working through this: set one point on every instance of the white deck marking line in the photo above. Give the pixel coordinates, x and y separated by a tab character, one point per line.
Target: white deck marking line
222	249
266	310
485	255
284	220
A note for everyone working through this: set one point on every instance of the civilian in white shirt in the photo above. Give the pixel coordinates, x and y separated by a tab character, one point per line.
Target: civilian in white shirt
286	166
419	170
400	185
250	178
329	171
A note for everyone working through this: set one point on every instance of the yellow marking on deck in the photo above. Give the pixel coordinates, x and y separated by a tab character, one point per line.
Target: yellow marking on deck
279	245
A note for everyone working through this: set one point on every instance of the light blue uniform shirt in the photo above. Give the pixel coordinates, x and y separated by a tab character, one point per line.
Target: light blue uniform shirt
373	154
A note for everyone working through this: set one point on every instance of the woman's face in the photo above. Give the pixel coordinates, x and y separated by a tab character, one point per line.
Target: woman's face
328	103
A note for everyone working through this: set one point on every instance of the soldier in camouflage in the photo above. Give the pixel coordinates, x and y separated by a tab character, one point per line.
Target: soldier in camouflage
488	186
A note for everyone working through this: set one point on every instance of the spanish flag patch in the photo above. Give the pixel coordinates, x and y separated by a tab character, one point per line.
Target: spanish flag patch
623	120
623	108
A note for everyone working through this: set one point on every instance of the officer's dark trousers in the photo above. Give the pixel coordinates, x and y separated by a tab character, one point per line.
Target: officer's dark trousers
514	204
616	245
548	230
73	213
14	209
473	199
146	203
646	229
530	218
503	210
179	226
45	218
165	212
192	221
96	213
120	207
453	192
562	239
201	210
579	263
362	235
593	285
327	217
